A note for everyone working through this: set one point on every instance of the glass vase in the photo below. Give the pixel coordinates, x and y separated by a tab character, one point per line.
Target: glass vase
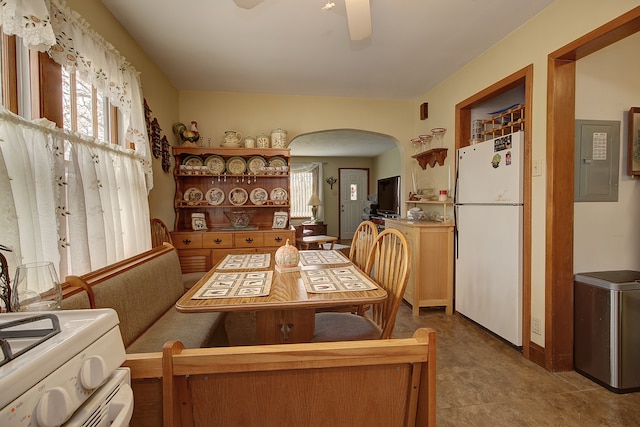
36	288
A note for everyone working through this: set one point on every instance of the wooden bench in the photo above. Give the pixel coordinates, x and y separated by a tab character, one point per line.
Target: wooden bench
143	291
355	383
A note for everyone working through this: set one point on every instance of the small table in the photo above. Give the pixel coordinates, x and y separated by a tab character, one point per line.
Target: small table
306	242
287	314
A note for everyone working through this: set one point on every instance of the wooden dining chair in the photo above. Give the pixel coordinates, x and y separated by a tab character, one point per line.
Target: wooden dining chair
388	262
159	233
362	242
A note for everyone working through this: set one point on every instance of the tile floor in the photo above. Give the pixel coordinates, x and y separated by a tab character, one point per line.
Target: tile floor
481	381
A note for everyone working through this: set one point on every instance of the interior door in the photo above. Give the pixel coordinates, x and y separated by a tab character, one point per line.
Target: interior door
354	188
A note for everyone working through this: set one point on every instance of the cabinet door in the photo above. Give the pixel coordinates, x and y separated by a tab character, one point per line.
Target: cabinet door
195	260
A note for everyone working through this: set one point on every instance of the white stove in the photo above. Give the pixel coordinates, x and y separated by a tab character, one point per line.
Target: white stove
56	366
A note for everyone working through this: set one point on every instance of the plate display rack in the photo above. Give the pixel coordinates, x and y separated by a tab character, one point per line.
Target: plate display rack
215	180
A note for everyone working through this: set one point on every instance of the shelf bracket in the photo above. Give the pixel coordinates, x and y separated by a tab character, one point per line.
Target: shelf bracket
431	157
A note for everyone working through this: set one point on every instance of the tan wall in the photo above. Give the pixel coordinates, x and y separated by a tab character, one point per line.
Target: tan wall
159	92
557	25
606	233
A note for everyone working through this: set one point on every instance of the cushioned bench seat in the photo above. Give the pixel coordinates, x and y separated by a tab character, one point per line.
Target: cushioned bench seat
143	291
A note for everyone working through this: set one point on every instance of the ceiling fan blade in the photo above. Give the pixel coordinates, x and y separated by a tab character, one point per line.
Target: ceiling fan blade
358	18
247	4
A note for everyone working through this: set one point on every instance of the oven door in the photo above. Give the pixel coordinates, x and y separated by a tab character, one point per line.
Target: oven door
110	405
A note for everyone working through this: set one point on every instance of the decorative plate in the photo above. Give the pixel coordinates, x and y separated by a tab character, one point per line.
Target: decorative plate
276	162
258	196
279	193
236	165
215	164
192	161
193	195
214	196
256	163
238	196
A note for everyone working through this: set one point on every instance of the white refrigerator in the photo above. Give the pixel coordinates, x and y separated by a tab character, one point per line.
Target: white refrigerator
489	214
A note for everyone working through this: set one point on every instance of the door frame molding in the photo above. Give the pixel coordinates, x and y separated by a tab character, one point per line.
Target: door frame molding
521	77
559	272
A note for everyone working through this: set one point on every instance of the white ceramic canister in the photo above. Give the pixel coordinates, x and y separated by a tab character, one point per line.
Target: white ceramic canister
249	142
262	140
279	138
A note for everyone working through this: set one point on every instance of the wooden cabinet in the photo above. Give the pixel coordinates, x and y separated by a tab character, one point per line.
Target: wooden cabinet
431	268
207	180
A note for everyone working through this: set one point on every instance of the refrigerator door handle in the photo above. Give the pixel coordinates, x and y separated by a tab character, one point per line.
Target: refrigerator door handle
455	230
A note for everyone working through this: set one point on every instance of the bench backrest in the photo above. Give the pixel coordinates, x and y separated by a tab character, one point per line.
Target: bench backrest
140	289
373	383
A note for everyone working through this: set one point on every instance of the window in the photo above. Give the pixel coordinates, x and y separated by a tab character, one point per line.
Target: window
86	110
68	197
305	181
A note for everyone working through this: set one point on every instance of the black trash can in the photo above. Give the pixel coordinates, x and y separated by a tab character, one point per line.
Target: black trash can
607	328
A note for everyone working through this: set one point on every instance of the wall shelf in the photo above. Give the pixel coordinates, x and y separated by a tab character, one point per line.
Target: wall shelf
431	157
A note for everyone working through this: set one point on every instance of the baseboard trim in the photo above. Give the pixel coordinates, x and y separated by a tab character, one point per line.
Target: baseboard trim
536	354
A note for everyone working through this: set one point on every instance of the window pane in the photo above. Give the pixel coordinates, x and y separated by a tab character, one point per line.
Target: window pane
102	108
67	119
84	99
301	190
353	193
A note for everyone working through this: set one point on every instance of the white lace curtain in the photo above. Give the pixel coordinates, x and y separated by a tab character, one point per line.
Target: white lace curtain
49	25
77	202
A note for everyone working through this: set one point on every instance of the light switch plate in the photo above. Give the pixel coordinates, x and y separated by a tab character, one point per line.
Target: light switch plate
537	168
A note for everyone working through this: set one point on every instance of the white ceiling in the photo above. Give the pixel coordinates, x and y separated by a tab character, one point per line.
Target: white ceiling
291	47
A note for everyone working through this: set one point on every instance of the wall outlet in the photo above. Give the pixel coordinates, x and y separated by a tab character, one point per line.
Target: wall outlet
535	326
536	167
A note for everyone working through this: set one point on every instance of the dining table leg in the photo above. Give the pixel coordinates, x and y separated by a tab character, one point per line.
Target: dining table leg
285	326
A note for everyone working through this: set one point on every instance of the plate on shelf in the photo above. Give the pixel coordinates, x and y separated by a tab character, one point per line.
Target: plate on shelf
236	165
276	162
255	164
192	160
193	195
214	196
215	164
238	196
258	196
279	194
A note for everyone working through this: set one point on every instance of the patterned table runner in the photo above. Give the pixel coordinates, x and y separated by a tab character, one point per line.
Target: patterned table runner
236	285
339	279
245	261
320	257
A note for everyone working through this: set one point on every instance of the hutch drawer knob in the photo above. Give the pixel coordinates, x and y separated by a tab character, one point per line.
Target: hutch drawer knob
278	239
248	240
217	241
186	241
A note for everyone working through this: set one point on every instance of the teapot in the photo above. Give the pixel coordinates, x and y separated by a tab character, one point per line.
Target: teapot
232	137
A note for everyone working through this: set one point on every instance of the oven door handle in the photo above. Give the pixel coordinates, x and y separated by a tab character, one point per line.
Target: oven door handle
121	407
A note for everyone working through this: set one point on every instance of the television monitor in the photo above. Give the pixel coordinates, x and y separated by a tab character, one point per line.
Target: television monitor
389	195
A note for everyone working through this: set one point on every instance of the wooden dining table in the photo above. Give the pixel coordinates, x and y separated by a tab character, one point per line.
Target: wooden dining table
287	314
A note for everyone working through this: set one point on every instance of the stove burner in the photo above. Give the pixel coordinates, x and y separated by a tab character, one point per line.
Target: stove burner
43	333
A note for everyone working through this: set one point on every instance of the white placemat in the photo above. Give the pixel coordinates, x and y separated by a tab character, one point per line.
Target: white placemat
236	285
321	257
338	279
245	262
